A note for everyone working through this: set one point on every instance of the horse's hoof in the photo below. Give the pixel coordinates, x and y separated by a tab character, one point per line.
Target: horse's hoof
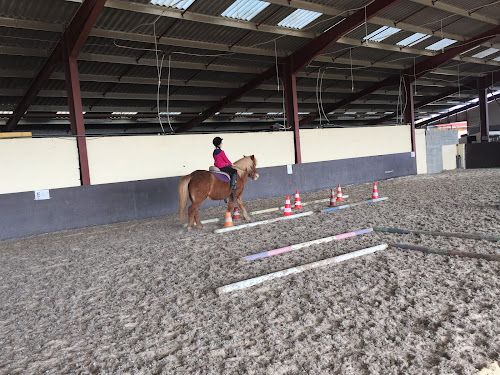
200	226
189	228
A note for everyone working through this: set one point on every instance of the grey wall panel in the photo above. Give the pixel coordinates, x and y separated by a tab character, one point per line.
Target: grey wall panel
79	207
482	155
435	139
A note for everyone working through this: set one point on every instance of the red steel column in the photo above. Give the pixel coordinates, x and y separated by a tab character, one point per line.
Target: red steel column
292	108
409	110
483	112
75	111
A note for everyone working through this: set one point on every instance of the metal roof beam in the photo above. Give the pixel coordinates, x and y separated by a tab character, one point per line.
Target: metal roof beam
414	72
213	67
458	11
76	33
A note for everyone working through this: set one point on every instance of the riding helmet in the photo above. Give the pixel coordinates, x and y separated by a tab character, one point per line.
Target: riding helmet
217	141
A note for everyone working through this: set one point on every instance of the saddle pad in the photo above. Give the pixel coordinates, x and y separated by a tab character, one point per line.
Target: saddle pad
221	176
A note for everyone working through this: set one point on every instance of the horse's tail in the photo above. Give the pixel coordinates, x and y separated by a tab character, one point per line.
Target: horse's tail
183	196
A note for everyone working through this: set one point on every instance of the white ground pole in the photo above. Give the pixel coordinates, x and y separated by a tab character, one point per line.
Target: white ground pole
237	227
290	271
258	212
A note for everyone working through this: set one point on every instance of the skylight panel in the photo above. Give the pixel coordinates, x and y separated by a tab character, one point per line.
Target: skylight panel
124	113
170	113
6	112
443	43
245	9
413	39
243	113
275	113
303	113
178	4
380	34
487	52
299	19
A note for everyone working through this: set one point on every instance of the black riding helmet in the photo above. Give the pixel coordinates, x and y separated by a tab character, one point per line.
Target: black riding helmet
217	141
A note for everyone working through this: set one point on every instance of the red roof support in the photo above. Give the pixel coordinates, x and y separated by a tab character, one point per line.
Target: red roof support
299	59
292	109
414	72
76	33
75	111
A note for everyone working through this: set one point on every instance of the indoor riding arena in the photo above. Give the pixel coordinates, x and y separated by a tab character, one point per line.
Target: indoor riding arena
250	187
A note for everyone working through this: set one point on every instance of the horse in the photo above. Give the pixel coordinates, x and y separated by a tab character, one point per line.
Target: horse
200	185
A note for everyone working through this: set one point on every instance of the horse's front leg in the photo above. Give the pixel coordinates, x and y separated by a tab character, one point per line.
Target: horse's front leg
242	207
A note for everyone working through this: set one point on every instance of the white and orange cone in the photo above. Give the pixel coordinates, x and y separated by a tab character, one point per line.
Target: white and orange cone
375	191
288	208
236	214
339	194
333	199
228	222
298	204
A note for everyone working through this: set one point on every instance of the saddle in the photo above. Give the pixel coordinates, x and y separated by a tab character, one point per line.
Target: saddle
223	176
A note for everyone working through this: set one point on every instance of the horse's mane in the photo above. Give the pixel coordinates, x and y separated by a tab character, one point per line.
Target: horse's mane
245	163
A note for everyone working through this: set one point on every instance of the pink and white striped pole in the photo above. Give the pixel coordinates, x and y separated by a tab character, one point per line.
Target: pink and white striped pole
298	246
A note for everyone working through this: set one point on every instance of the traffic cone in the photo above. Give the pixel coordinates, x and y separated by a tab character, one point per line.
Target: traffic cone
288	209
339	194
236	214
297	205
333	199
228	222
375	191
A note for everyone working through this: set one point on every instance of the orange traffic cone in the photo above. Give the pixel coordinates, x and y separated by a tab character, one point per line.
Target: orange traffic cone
236	214
298	205
333	199
228	222
339	194
288	209
375	191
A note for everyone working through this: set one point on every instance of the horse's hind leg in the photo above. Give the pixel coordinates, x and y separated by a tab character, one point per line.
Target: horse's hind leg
193	214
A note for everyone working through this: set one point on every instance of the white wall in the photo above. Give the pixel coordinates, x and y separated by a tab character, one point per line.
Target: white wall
421	151
38	163
449	157
115	159
334	144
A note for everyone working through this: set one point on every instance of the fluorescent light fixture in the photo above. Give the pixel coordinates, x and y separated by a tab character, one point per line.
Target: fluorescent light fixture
170	113
299	19
370	113
274	113
413	39
245	9
443	43
6	112
350	113
243	113
124	113
388	113
380	34
303	113
62	113
217	113
179	4
486	52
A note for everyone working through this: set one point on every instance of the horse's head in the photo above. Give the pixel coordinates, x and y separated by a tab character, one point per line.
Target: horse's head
248	165
253	174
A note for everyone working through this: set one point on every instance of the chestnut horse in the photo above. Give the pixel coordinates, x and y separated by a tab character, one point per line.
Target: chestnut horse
201	185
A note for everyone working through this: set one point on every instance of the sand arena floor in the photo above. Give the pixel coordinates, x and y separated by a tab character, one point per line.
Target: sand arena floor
139	297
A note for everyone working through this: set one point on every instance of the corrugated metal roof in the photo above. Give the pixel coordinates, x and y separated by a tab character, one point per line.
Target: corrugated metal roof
53	11
61	12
